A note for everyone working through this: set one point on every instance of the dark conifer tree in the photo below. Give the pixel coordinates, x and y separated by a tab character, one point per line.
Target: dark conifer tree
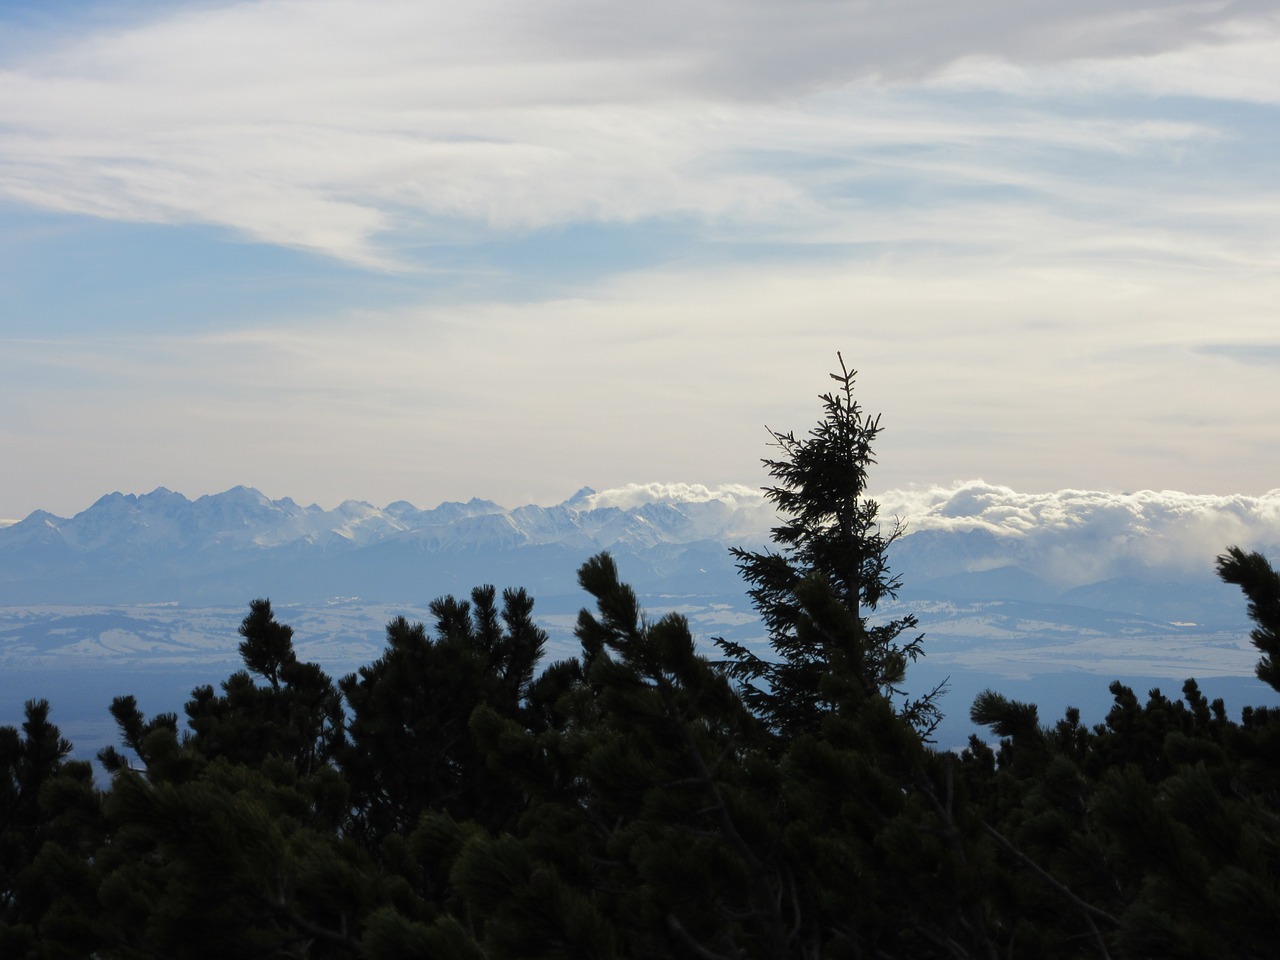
298	716
411	750
230	839
1261	584
831	542
651	827
1152	834
48	824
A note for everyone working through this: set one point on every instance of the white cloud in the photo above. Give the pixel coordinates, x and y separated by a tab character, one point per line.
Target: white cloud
340	127
1072	537
1239	66
1068	537
632	495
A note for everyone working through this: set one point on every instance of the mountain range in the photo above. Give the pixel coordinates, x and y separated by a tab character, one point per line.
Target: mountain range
151	587
225	548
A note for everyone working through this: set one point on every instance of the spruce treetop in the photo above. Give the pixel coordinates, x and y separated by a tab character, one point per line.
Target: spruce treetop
829	571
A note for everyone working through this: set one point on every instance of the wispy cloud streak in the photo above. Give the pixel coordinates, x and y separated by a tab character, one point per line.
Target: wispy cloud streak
340	128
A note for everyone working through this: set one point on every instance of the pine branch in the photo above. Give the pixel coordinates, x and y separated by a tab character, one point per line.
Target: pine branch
1086	908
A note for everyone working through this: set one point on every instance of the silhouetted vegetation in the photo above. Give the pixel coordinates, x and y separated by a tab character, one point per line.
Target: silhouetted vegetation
642	800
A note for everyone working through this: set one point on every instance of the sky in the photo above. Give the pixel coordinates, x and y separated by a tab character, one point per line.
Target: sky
508	248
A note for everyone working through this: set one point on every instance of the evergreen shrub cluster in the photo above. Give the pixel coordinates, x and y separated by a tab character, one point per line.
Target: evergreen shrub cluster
643	800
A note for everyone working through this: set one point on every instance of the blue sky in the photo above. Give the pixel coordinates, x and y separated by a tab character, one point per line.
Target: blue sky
504	249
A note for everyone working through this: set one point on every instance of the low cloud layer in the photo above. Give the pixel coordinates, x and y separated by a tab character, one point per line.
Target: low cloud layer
1068	537
1073	537
635	495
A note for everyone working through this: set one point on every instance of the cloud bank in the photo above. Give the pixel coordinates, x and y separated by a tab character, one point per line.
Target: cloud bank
735	496
1073	537
1068	537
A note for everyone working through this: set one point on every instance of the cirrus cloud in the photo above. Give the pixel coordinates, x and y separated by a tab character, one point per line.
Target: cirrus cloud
355	131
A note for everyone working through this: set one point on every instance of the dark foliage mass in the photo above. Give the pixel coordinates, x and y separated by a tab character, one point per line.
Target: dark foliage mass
644	801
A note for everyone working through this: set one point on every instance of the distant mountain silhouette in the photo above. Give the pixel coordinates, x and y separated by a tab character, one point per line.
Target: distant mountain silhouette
228	546
225	548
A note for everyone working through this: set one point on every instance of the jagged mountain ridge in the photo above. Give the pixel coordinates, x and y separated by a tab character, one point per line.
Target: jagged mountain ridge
227	547
242	518
154	546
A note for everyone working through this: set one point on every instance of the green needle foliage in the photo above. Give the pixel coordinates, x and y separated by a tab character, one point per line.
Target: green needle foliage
1261	584
831	548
